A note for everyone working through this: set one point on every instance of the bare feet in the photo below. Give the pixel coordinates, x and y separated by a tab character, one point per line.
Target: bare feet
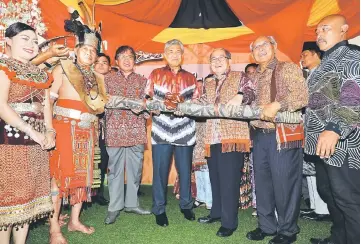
57	238
81	228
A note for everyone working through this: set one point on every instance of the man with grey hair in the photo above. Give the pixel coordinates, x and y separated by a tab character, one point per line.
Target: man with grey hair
226	141
172	134
277	147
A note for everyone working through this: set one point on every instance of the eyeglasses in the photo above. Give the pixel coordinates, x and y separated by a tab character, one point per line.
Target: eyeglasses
263	45
220	59
126	57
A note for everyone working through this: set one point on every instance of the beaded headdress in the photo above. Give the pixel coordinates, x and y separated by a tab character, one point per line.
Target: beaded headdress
87	33
25	11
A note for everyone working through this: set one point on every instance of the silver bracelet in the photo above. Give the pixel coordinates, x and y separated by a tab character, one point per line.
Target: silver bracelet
52	130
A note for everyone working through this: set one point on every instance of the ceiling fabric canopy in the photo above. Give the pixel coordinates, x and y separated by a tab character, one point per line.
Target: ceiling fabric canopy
147	24
204	14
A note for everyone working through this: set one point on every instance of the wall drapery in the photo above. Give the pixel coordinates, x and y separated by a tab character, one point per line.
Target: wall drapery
144	23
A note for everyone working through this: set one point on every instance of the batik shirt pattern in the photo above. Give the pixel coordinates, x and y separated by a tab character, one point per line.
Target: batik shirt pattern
334	104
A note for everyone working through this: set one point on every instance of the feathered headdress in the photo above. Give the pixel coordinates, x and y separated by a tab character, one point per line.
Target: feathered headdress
86	33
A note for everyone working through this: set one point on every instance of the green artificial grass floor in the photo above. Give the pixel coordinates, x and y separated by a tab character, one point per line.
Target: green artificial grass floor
135	229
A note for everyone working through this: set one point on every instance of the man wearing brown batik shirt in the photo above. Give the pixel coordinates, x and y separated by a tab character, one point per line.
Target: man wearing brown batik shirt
277	148
125	136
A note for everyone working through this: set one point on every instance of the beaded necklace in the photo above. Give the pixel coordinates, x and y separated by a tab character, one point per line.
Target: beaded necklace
89	81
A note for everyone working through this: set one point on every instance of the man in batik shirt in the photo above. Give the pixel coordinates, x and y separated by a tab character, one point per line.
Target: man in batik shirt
333	129
277	147
125	136
172	134
102	66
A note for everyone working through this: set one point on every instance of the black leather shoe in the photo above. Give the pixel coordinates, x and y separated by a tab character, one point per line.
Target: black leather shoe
258	235
224	232
321	241
161	219
111	217
188	214
208	220
315	216
306	210
283	239
197	204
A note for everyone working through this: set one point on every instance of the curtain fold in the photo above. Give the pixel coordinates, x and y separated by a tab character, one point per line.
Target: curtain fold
286	20
144	24
117	30
204	14
155	12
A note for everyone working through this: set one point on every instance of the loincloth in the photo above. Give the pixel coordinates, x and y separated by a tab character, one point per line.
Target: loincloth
71	163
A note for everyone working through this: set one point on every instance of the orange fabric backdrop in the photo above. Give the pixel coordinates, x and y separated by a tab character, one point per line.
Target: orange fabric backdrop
137	22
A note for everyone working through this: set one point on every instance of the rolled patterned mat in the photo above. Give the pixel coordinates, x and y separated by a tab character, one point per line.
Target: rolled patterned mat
245	112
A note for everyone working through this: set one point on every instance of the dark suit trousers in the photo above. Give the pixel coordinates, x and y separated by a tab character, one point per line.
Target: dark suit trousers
103	166
339	188
162	159
225	176
278	179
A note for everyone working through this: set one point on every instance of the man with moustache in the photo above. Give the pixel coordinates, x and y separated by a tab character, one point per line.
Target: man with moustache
172	135
125	137
277	148
226	141
333	132
102	66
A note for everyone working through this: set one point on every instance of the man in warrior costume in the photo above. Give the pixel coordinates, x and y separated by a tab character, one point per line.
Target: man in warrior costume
80	95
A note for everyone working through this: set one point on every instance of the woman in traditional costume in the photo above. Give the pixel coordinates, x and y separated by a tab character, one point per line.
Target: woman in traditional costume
26	133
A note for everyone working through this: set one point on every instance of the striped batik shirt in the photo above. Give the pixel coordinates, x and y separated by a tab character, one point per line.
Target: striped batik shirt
168	128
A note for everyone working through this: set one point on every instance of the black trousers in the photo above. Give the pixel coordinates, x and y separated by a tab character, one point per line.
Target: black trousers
162	159
225	176
104	158
278	179
339	188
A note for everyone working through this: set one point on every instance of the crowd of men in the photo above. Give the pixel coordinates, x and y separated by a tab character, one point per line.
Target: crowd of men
325	146
328	138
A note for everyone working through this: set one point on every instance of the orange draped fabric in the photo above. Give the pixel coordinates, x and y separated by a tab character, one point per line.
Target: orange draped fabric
351	10
286	20
137	22
160	12
122	24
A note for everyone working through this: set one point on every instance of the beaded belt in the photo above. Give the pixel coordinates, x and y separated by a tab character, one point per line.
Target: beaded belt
34	107
86	119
